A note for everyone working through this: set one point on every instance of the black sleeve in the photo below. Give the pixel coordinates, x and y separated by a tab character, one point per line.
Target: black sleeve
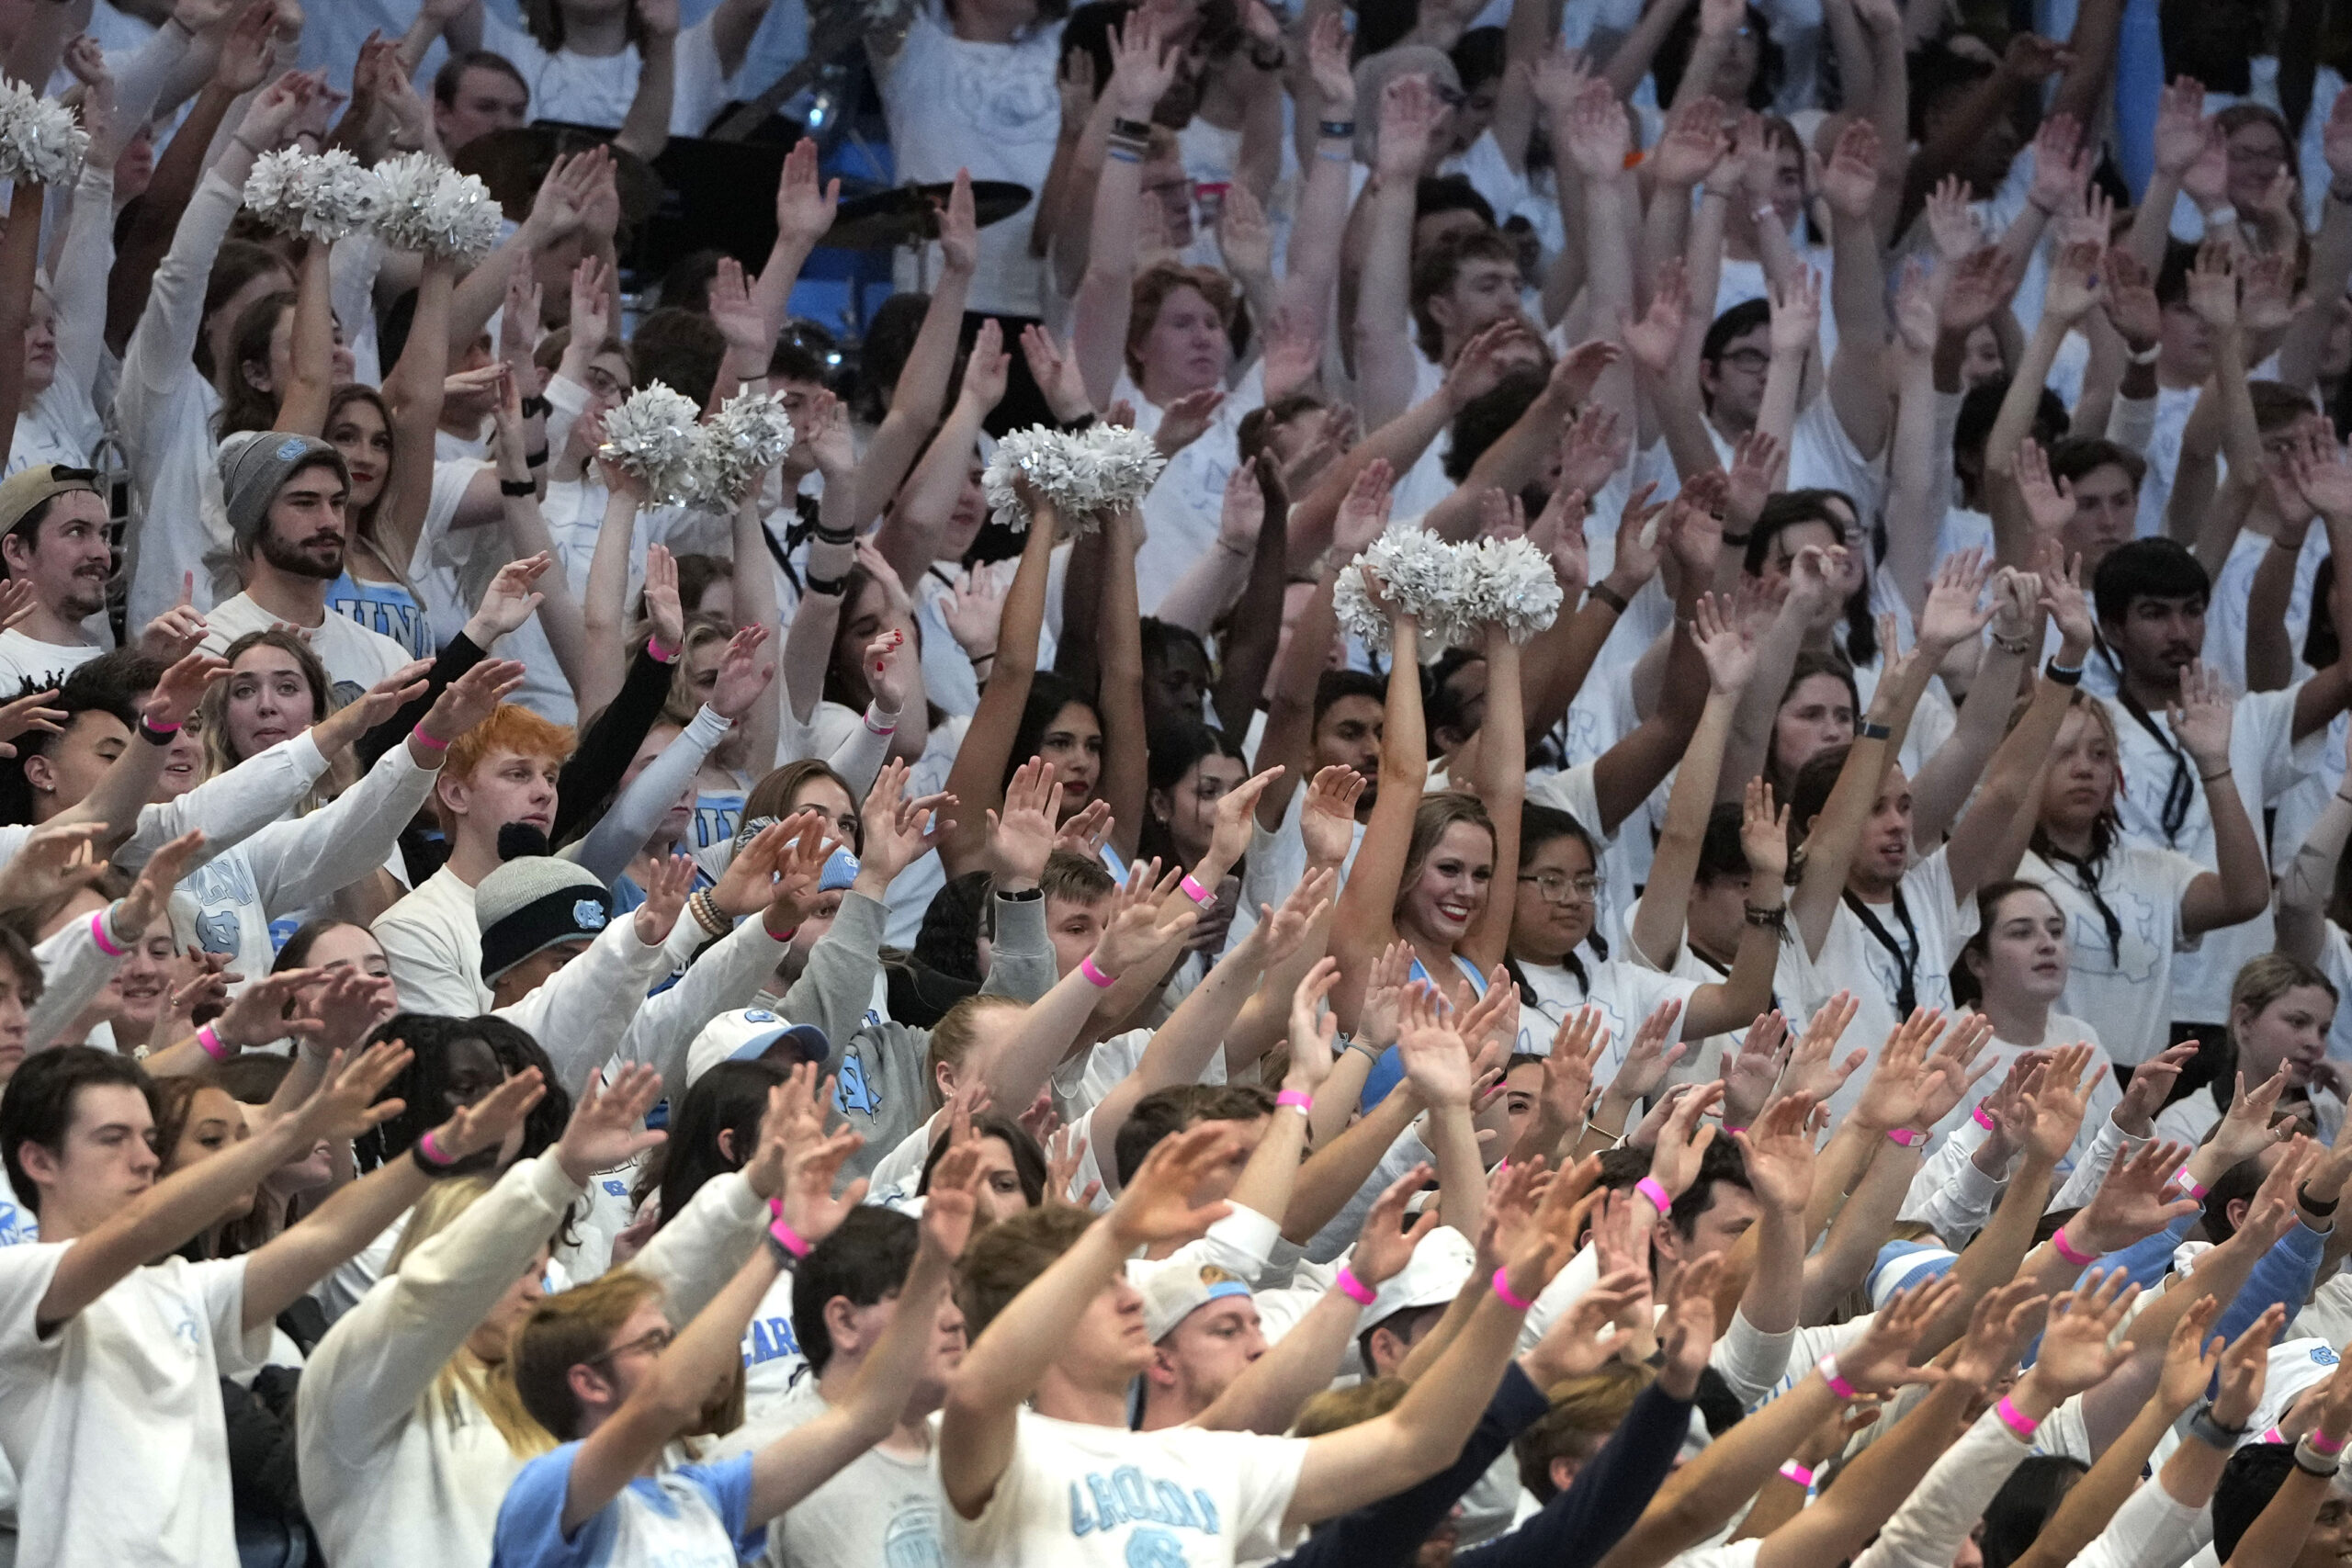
260	1423
1577	1528
1388	1533
607	744
460	656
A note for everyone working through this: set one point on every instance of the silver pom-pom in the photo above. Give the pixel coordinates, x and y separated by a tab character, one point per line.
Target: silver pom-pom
1102	468
1420	573
323	196
40	141
1509	583
750	435
655	437
429	207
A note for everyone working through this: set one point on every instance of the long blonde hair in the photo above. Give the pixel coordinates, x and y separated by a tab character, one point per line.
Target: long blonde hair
492	1387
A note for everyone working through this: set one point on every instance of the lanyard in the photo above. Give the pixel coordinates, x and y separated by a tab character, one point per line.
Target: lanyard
1906	989
2180	790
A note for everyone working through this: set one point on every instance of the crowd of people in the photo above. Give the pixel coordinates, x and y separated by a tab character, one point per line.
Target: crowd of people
889	1020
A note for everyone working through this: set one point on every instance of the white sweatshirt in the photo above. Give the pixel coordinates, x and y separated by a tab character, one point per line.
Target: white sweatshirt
1928	1531
298	864
393	1477
73	970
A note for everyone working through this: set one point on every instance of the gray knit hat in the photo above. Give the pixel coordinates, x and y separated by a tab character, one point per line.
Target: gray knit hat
530	904
255	463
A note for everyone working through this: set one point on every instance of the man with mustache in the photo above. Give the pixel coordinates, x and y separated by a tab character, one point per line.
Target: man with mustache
53	537
285	498
2152	597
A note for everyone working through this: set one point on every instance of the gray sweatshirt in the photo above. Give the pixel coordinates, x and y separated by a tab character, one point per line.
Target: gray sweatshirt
884	1087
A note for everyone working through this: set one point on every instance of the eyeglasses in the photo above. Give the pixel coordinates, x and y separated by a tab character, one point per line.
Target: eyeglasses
1554	888
652	1342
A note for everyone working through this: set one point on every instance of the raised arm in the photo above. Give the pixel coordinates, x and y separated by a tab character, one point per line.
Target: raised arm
1366	922
1141	70
1385	353
983	760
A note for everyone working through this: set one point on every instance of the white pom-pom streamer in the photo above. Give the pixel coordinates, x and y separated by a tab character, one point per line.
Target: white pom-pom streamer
655	437
1102	468
750	435
429	207
40	141
1509	583
1421	573
323	196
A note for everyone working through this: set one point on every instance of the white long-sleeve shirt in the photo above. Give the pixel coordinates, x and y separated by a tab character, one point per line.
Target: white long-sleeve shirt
1928	1531
394	1476
298	862
73	970
164	408
228	809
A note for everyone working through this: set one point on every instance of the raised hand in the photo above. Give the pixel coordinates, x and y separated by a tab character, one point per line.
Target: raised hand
1020	837
2132	1202
607	1125
1157	1206
1880	1362
804	209
2075	1354
1386	1243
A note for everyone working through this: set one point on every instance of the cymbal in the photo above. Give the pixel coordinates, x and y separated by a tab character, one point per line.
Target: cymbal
512	163
904	215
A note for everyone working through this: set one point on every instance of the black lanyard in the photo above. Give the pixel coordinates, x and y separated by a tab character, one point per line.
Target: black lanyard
1773	1005
2180	790
1906	989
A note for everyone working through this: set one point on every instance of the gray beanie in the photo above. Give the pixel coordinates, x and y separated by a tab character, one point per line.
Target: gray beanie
255	463
530	904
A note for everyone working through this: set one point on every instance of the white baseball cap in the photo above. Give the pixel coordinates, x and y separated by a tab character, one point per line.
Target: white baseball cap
1178	1288
1432	1277
744	1034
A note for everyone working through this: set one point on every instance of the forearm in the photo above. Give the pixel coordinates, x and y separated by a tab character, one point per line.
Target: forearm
302	403
285	1268
1384	351
1664	904
1339	1167
646	129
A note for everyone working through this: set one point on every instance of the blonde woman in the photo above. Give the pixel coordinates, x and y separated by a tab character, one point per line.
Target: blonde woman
408	1425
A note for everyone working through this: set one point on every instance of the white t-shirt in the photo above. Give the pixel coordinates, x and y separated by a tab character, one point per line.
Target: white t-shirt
2266	763
1625	993
2126	984
1852	959
691	1516
2163	452
1076	1495
2225	609
113	1419
434	943
23	659
1180	514
990	108
881	1510
2059	1030
598	89
356	657
772	1359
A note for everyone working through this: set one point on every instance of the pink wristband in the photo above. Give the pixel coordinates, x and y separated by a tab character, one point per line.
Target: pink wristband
1502	1289
1827	1368
2016	1420
2188	1183
1298	1097
2272	1436
427	741
429	1150
2067	1250
2321	1443
98	934
775	935
159	728
1793	1470
662	655
1355	1289
1651	1189
1982	1120
1907	1137
873	728
786	1236
218	1051
1094	975
1199	894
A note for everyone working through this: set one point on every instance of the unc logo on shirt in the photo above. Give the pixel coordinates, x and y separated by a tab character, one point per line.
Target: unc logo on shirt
219	930
588	915
617	1187
1127	1496
853	1090
2323	1356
